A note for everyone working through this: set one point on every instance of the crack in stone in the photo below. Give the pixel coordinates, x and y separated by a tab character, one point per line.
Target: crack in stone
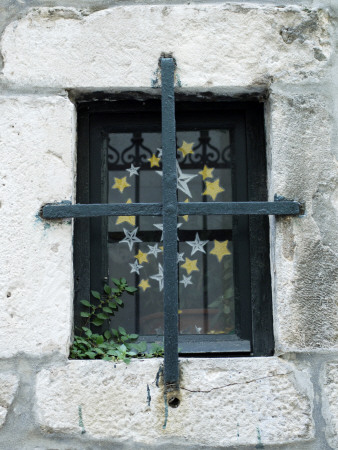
235	384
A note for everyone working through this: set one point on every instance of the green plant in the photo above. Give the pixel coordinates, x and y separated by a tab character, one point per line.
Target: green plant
113	344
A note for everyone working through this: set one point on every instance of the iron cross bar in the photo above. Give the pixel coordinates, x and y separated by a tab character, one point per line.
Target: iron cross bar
170	209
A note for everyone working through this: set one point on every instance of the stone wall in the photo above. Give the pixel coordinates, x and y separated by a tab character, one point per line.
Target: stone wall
53	52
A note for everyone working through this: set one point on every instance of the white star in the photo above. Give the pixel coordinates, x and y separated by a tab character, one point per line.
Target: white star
154	250
159	276
133	170
135	267
197	245
186	281
182	180
180	257
159	155
160	227
130	238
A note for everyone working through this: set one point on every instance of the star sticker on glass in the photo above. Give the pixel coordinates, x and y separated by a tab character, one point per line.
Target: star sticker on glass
133	170
154	161
128	219
190	265
144	284
206	172
135	267
130	238
213	188
186	217
160	227
197	245
186	148
142	257
180	257
159	276
159	154
154	250
182	180
186	281
120	184
220	249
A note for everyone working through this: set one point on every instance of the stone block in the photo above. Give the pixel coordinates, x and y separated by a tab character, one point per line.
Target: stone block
37	143
9	384
223	402
330	402
214	45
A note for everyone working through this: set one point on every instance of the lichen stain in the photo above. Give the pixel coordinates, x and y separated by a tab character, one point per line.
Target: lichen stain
81	424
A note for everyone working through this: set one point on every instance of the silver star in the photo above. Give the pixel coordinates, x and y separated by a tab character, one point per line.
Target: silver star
133	170
154	250
160	227
159	276
180	257
182	180
197	245
186	281
159	155
130	238
135	267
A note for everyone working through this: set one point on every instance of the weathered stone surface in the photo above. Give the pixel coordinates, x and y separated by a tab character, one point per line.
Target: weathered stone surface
304	249
330	402
224	402
37	150
120	47
9	384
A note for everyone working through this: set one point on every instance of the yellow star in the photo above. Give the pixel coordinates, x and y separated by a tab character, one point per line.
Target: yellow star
213	189
186	216
220	249
144	284
186	148
206	172
142	257
190	265
161	247
154	161
121	184
129	219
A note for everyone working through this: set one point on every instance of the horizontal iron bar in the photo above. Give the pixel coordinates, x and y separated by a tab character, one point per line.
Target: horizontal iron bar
276	208
65	211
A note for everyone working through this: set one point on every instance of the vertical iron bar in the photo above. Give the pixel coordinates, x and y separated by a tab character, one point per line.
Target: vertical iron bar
169	195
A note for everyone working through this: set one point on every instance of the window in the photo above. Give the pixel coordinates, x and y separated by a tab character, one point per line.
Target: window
223	260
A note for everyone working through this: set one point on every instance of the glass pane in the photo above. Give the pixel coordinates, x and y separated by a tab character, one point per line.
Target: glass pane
206	283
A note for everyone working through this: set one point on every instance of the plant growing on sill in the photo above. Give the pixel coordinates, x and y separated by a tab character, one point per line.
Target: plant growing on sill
113	344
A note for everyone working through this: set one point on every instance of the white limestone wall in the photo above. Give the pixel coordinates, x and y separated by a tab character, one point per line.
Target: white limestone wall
223	47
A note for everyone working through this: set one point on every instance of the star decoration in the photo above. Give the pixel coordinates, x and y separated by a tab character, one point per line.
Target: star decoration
154	250
128	219
134	170
121	184
186	148
130	238
142	257
197	245
186	217
135	267
160	227
213	189
144	284
180	257
159	276
220	249
154	161
159	154
186	281
190	265
206	172
182	180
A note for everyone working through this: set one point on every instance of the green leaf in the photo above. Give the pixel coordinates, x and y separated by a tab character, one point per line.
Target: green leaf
126	360
131	290
119	301
85	302
96	294
116	281
122	331
123	348
99	340
90	354
115	332
85	314
107	289
115	291
107	310
112	305
107	334
123	281
97	322
102	316
133	336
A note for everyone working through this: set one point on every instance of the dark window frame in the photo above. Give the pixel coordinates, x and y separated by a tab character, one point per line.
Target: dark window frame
247	119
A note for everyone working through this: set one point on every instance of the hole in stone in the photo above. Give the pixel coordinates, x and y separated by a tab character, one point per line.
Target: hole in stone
174	402
9	294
